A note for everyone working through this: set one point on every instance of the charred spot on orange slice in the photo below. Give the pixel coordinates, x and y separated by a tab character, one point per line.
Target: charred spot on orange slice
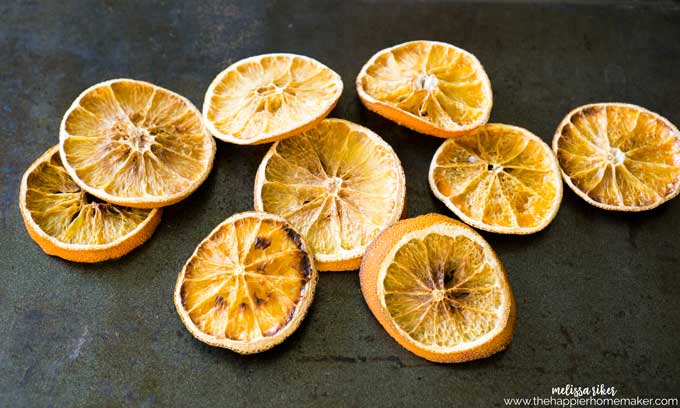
262	242
460	295
292	234
306	267
592	110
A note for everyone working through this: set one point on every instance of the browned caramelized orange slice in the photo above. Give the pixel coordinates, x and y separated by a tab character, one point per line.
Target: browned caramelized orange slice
248	284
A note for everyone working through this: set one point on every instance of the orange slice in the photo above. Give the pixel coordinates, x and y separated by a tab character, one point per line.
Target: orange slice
431	87
65	221
270	97
438	289
498	178
339	184
136	144
248	285
619	157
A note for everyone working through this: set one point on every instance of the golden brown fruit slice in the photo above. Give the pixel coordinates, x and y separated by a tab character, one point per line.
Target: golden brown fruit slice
438	289
498	178
248	285
618	156
431	87
270	97
339	184
65	221
136	144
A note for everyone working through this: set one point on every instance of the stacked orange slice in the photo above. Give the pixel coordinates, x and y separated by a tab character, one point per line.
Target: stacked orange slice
339	184
125	149
67	222
136	144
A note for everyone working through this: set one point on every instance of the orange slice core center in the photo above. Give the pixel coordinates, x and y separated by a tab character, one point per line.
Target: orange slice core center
334	184
615	156
138	139
426	82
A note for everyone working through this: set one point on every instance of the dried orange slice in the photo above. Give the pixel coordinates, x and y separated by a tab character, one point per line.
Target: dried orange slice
431	87
136	144
339	184
270	97
67	222
498	178
618	156
248	285
439	289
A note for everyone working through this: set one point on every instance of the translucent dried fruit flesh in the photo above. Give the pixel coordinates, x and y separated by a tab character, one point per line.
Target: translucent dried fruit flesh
442	291
62	210
620	156
246	280
338	184
438	83
133	141
500	177
261	98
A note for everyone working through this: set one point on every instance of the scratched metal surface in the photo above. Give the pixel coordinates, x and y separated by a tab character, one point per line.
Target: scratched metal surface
598	293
